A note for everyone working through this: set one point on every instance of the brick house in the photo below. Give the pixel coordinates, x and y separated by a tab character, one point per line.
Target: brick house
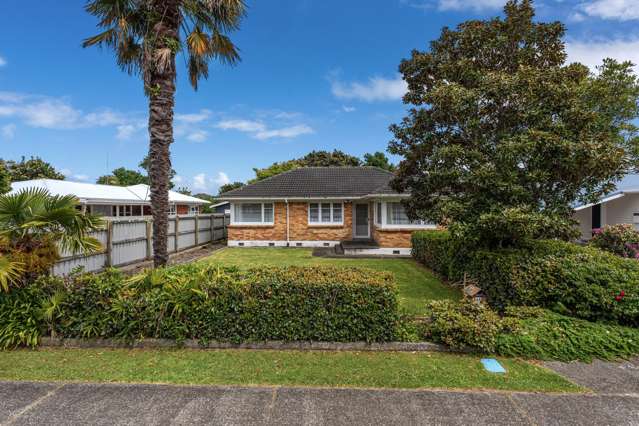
353	207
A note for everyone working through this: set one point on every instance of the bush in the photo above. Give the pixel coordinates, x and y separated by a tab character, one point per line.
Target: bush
622	240
584	282
542	334
463	325
527	332
433	249
206	302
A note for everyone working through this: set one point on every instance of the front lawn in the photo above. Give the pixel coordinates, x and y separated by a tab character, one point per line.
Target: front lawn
286	368
416	284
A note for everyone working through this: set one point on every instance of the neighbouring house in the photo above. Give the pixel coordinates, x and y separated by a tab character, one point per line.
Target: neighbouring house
223	207
113	201
353	207
618	207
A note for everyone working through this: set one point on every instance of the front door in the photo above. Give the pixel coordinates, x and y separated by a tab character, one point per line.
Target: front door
361	221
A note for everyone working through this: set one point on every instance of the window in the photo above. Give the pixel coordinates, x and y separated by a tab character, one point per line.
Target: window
255	213
193	210
172	210
325	213
393	214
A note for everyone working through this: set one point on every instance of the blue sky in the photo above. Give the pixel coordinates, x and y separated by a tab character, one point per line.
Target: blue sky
315	74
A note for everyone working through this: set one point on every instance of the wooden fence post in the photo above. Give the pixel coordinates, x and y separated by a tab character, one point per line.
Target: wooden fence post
109	244
149	239
197	230
177	233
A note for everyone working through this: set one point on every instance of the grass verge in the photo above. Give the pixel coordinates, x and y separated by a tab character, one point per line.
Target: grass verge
417	285
292	368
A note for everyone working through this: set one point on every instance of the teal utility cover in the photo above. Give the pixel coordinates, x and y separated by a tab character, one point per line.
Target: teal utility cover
492	365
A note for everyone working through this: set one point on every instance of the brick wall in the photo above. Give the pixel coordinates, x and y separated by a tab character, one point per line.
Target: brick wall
396	238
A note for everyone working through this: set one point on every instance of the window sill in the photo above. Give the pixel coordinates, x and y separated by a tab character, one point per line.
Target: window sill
404	227
325	225
251	225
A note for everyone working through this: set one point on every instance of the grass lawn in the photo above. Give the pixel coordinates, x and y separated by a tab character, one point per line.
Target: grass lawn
416	284
293	368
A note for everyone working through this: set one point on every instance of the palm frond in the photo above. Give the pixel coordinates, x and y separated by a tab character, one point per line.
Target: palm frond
10	272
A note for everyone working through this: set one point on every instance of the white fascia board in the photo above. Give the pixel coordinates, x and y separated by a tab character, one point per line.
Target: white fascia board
602	201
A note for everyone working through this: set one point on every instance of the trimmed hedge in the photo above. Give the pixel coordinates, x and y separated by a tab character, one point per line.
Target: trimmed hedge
579	281
199	301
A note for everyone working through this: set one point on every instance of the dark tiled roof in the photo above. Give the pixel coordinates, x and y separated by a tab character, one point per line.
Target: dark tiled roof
320	182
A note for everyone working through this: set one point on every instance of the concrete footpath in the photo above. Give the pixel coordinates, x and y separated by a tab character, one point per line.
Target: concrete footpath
28	403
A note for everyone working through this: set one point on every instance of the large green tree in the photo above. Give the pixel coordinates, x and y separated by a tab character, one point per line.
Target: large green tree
146	36
312	159
123	177
32	168
500	121
5	178
230	186
378	159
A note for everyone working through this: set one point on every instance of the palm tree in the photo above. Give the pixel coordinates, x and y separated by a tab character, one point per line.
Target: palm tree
35	226
146	36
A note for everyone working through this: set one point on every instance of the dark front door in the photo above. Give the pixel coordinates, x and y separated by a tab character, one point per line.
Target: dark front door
361	221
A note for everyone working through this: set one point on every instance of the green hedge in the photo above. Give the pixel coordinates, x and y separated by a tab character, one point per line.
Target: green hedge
199	301
575	280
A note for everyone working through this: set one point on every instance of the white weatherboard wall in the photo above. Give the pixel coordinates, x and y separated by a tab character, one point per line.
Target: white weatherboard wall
614	212
128	241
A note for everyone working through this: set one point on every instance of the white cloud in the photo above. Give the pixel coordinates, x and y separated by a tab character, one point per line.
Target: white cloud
241	125
59	114
259	130
222	179
375	89
285	132
3	61
177	179
592	53
203	115
457	5
199	182
197	136
8	131
348	108
621	10
66	172
81	177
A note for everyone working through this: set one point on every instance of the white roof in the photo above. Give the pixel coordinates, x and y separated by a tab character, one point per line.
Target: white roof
92	193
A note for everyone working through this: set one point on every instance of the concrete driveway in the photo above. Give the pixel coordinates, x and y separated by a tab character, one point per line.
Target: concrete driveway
27	403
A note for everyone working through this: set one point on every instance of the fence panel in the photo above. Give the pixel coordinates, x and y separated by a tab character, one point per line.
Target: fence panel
127	241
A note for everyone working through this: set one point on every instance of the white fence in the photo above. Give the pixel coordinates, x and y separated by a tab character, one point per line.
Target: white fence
128	241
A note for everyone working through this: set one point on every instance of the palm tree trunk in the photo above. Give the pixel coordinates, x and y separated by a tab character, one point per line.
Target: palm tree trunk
160	87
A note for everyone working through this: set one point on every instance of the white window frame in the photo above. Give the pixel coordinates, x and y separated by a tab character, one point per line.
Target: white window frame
382	224
319	222
262	223
172	209
194	210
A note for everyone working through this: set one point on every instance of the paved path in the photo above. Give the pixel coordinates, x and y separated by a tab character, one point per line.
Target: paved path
601	376
26	403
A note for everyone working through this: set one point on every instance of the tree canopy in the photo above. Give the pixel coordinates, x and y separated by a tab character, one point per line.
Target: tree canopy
500	121
229	187
123	177
5	179
33	168
336	158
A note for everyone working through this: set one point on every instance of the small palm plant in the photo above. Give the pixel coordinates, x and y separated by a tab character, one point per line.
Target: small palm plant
35	226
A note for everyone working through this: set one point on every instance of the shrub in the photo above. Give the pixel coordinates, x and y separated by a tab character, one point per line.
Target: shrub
207	302
463	325
541	334
584	282
622	240
433	249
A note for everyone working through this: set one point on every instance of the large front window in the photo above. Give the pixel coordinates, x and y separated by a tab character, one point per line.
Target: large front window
253	213
393	214
325	213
